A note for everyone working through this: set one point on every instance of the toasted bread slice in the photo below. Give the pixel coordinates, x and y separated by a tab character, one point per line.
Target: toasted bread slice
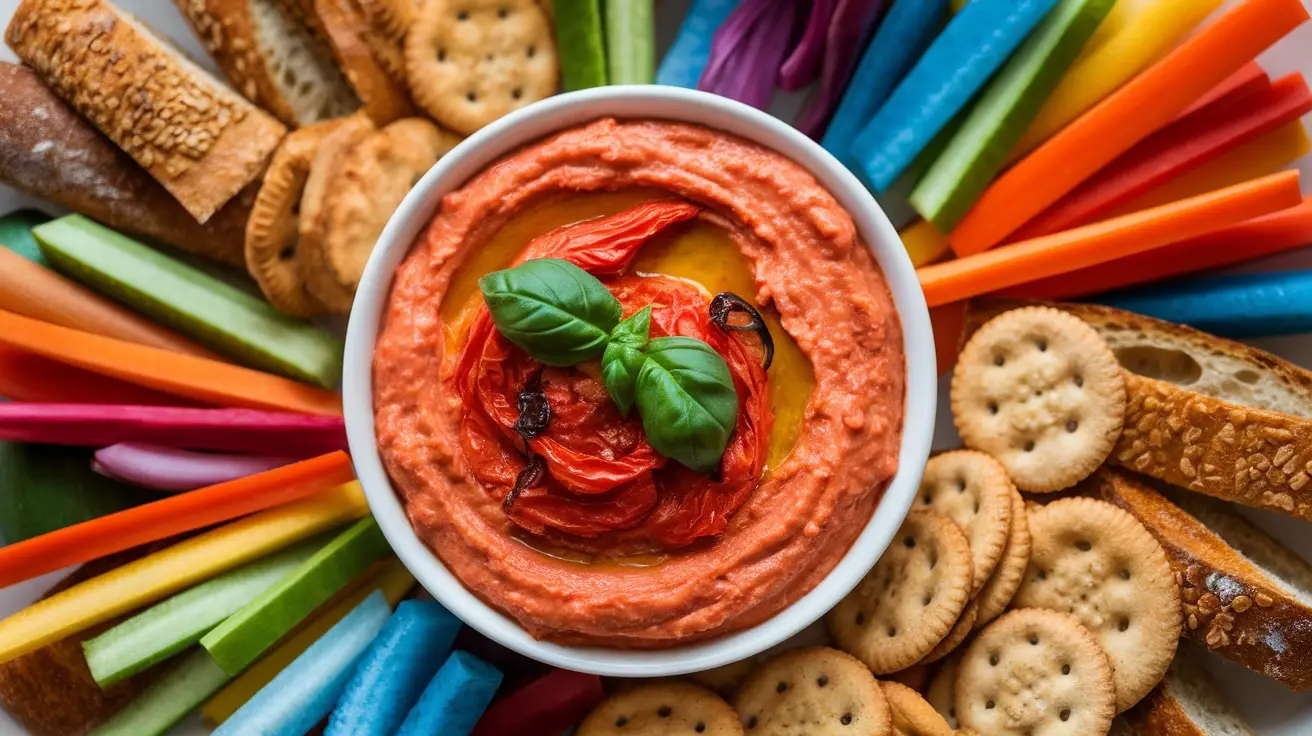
1246	597
1187	703
1204	413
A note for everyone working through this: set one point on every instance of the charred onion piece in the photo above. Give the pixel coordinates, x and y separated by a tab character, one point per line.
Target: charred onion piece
726	304
534	411
529	477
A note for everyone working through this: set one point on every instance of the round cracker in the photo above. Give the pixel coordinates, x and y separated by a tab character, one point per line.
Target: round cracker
470	62
941	693
390	17
1001	587
671	708
912	716
1040	391
972	489
915	677
1035	672
911	599
960	630
819	691
322	178
272	232
1096	561
371	178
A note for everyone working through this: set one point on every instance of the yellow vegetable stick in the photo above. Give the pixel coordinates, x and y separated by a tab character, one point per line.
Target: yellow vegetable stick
394	580
184	564
1266	154
1149	31
924	243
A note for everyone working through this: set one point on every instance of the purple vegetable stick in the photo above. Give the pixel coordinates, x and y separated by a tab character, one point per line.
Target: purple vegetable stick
853	24
802	66
169	469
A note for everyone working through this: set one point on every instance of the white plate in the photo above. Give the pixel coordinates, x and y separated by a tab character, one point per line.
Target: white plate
1268	707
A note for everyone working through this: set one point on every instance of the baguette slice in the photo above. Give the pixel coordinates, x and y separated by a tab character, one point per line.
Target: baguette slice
1187	703
1246	597
1204	413
199	139
50	152
272	58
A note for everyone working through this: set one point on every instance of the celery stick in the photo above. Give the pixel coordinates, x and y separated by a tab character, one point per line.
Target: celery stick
174	294
169	699
580	43
630	41
179	622
301	695
979	149
392	675
245	635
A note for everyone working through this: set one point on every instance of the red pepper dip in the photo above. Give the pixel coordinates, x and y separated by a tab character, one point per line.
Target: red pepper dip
576	526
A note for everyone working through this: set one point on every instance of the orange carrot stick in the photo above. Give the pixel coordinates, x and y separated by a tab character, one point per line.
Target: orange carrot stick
1108	240
199	379
947	322
32	291
1246	241
1251	77
28	377
1138	108
171	516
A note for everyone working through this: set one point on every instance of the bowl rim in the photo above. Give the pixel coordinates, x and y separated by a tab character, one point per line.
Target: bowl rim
533	122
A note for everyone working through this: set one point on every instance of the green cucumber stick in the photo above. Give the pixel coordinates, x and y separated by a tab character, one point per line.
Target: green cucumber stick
1008	105
169	699
244	636
190	301
580	43
169	627
631	41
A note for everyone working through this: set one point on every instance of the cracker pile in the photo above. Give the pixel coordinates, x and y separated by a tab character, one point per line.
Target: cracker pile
331	187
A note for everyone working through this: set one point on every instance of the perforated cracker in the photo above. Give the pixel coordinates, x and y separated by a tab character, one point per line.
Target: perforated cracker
1037	389
971	489
819	691
1001	587
669	708
470	62
911	599
912	716
1035	671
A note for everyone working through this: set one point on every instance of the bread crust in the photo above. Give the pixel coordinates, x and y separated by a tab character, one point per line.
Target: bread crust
49	151
1230	605
226	29
201	141
358	46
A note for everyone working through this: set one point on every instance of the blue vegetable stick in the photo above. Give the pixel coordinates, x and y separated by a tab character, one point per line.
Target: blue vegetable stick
901	38
393	673
959	62
456	698
687	57
1238	306
301	695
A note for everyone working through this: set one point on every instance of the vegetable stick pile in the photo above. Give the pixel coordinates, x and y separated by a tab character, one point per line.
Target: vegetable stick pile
1050	149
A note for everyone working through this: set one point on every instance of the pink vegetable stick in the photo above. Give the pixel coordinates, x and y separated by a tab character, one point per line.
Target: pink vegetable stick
168	469
224	430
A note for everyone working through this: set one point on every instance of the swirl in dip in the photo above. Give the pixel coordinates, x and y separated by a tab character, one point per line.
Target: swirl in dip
584	533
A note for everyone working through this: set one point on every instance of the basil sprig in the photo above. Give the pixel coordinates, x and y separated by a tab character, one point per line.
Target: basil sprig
552	310
562	315
686	398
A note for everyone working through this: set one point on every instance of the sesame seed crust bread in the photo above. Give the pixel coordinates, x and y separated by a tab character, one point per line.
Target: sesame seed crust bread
49	151
1186	703
203	142
1204	413
1246	597
271	57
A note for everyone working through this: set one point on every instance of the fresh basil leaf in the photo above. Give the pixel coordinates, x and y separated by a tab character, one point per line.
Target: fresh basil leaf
551	309
624	357
687	401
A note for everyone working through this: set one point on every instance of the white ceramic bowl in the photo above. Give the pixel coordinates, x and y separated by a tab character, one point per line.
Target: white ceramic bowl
534	122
